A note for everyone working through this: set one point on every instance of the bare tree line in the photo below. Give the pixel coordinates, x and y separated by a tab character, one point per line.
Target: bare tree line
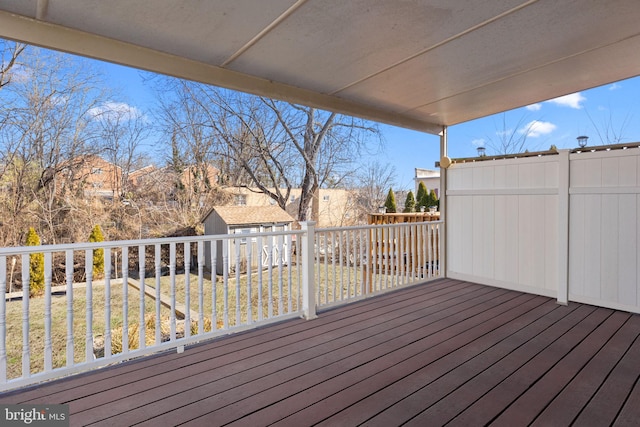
57	113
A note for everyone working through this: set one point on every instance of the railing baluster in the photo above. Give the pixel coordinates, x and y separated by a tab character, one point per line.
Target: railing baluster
341	264
214	285
225	281
425	251
439	245
141	273
430	253
201	286
187	288
363	266
238	267
260	273
354	260
107	303
354	263
158	266
413	250
172	278
299	271
334	247
48	358
88	341
347	261
3	319
280	284
323	283
388	258
405	254
419	246
125	299
402	277
270	275
290	273
374	244
317	252
69	276
26	353
249	271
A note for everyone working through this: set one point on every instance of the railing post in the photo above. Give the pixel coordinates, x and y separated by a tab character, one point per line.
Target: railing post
563	226
308	285
442	228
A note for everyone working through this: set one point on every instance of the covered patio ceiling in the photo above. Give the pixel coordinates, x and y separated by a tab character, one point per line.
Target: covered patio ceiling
419	64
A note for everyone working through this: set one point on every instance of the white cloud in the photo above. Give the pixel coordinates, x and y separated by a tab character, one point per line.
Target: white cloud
615	86
573	100
113	110
536	128
478	142
534	107
20	73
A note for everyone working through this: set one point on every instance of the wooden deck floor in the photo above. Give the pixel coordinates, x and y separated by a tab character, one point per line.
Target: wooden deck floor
447	352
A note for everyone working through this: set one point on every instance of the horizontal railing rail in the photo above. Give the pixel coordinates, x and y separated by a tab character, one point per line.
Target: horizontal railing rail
73	307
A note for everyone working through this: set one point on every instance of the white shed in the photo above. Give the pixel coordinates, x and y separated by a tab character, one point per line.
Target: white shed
244	220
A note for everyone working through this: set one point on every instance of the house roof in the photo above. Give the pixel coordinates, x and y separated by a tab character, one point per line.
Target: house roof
417	64
427	173
251	215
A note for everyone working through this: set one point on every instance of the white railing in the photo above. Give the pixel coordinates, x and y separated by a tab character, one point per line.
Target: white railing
354	262
160	293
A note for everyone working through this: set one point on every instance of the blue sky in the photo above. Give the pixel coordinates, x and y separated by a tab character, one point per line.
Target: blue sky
603	113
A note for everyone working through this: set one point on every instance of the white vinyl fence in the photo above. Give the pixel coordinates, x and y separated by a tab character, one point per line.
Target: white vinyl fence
562	225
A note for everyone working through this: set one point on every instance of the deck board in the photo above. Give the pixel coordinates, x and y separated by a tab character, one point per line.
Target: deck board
442	352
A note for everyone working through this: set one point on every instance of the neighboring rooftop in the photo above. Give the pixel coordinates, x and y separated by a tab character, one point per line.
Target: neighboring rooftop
427	173
249	215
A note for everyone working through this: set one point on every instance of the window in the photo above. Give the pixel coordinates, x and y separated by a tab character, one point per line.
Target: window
325	198
96	171
241	200
243	240
293	198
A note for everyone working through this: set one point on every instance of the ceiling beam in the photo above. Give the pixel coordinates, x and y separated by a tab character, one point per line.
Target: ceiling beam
264	32
44	34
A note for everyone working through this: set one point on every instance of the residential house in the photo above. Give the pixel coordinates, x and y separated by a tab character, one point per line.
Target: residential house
430	178
150	179
333	207
96	176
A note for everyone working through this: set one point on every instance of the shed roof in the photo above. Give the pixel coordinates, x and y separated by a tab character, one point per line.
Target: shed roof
251	215
419	64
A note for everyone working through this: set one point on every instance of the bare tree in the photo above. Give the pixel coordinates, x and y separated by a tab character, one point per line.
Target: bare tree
270	145
373	182
609	132
47	131
511	139
9	53
123	130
